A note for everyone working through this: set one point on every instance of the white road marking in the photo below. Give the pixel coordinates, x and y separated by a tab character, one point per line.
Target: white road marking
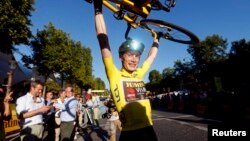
180	122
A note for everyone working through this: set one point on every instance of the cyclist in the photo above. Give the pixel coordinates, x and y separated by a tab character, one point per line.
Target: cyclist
126	85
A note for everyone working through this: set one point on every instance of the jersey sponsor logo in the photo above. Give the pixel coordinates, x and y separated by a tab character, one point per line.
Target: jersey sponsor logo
134	90
117	94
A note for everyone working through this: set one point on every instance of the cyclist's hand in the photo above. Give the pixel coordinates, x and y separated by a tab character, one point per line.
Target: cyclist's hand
97	6
157	35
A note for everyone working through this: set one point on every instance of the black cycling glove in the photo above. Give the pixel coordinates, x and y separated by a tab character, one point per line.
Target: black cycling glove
97	6
157	35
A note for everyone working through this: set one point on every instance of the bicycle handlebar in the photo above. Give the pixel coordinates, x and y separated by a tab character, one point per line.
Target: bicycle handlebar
137	17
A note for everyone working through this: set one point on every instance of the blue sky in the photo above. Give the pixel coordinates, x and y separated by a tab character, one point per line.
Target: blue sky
227	18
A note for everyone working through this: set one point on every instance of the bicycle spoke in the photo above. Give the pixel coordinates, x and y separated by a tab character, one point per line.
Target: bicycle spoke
167	31
170	31
133	13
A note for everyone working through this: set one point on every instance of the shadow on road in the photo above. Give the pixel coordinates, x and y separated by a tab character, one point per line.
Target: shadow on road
93	134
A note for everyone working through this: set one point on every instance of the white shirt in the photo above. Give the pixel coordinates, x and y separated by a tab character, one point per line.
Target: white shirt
26	104
96	101
69	108
89	103
57	114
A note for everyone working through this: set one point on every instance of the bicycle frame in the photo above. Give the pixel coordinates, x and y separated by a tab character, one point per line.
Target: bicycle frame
126	4
135	13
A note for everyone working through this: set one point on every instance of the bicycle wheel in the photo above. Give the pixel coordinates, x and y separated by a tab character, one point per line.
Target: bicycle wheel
170	31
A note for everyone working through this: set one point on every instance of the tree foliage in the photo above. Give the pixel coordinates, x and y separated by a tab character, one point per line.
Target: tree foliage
168	72
15	23
236	70
212	49
212	67
154	76
208	56
52	86
169	78
54	52
98	84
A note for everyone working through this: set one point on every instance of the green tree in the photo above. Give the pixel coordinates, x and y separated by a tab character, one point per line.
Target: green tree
81	59
155	78
212	49
169	78
236	72
55	53
98	84
168	72
185	74
52	86
15	23
49	48
207	56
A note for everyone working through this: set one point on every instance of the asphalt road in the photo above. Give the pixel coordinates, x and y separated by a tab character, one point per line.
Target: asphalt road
169	126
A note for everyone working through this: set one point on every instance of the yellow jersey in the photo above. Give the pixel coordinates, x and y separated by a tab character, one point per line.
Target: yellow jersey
128	92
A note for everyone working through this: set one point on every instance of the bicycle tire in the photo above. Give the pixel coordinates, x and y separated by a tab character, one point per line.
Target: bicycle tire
170	31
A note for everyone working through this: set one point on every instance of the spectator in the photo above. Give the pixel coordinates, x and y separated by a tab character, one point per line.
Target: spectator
88	114
95	107
68	115
60	100
114	123
49	118
79	119
30	110
5	111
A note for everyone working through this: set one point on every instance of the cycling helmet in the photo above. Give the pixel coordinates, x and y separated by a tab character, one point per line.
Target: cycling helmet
132	46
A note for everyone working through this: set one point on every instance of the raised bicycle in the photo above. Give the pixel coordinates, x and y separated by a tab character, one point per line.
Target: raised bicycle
135	13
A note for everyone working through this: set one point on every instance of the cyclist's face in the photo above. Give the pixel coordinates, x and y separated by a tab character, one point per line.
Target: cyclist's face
130	61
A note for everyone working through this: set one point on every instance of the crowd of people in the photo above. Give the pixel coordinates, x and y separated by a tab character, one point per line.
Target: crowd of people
131	111
61	114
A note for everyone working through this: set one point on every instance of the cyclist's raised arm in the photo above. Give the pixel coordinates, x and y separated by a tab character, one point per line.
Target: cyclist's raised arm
101	29
154	49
